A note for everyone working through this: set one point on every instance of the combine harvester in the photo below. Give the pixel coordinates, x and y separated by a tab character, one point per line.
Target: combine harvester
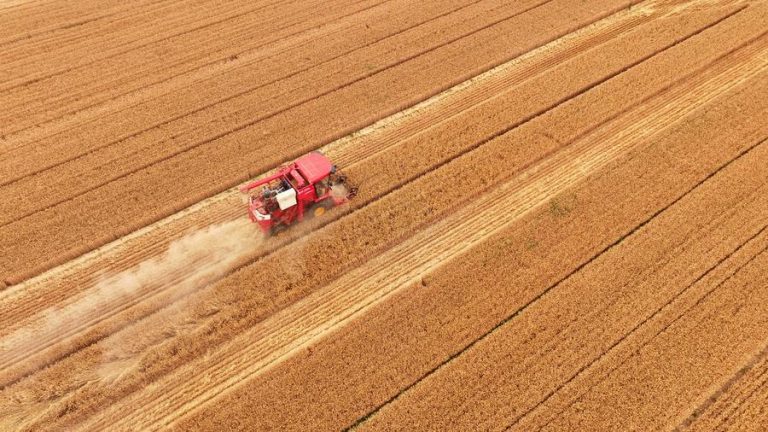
309	186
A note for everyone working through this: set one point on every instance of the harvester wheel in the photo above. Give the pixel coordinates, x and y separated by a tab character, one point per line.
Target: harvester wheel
320	208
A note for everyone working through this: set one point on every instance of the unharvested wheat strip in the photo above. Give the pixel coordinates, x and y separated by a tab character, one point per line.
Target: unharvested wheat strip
17	23
187	19
252	70
263	27
241	87
584	307
264	82
65	27
364	286
41	46
37	104
739	222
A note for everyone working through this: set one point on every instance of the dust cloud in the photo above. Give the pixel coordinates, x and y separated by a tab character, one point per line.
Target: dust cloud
339	190
187	264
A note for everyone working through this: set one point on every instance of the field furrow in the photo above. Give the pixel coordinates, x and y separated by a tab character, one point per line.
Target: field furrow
739	404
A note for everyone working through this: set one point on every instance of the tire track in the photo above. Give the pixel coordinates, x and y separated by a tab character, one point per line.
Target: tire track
311	318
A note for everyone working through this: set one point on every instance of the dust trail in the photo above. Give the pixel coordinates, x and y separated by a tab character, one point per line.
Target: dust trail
189	263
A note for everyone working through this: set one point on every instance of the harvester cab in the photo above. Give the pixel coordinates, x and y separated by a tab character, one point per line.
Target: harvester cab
305	188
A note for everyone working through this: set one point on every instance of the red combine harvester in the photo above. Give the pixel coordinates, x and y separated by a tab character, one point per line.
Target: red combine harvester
305	188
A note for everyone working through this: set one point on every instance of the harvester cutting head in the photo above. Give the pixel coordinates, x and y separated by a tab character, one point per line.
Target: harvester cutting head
305	188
